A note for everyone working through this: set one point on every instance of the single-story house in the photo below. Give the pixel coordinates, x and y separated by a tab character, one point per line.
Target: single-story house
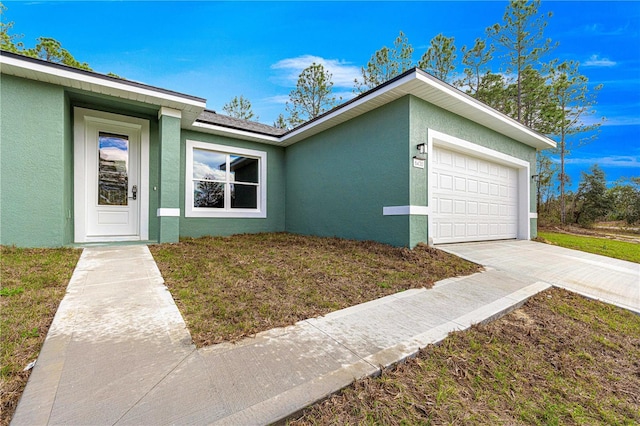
89	158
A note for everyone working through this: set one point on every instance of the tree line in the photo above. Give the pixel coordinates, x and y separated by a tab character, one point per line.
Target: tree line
593	202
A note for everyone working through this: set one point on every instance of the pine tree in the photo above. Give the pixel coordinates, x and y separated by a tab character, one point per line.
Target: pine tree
440	58
240	107
312	95
386	64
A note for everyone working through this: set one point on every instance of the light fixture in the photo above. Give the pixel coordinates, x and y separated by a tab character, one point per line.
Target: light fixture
422	148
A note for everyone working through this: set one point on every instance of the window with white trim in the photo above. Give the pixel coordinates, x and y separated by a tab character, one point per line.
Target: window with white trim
223	181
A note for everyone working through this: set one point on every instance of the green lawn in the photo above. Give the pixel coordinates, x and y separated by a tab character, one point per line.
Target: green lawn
604	246
33	284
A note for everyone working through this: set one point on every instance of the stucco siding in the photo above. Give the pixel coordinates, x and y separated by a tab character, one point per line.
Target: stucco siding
275	220
34	193
339	180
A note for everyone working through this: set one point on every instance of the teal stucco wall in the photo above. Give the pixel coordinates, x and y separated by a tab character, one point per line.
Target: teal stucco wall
275	220
34	187
339	180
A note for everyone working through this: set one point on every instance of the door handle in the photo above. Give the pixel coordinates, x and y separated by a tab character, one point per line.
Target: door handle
134	191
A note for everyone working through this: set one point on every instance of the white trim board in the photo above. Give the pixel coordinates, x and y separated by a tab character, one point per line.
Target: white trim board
406	211
167	212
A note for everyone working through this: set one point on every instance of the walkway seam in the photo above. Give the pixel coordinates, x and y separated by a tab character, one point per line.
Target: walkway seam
162	379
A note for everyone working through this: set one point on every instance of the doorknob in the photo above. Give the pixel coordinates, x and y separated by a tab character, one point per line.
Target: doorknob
134	191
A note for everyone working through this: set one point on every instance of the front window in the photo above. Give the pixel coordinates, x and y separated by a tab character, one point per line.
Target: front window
224	181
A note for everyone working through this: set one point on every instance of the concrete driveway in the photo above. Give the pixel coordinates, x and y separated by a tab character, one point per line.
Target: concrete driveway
610	280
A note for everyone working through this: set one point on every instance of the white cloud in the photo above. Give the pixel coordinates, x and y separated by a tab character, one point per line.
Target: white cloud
344	94
597	61
631	120
278	99
598	29
608	161
114	154
343	73
201	170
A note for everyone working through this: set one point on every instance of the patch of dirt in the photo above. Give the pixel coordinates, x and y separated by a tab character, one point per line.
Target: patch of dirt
560	359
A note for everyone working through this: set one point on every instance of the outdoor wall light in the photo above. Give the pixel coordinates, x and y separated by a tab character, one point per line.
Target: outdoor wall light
422	148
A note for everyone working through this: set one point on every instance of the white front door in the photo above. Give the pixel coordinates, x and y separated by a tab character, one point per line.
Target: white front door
110	191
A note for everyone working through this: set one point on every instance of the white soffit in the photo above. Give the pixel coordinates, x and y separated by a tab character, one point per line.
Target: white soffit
32	69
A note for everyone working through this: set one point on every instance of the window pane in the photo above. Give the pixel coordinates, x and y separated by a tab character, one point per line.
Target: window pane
244	169
208	194
113	168
209	165
244	196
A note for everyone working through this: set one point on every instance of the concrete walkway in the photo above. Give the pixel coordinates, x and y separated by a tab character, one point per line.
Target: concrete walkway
118	351
610	280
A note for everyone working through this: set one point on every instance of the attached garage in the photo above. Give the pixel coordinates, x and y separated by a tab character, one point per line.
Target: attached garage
475	193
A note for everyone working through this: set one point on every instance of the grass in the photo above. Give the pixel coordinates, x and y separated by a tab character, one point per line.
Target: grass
33	284
231	287
603	246
560	359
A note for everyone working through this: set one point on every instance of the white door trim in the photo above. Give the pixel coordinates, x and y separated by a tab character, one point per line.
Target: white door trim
82	117
524	185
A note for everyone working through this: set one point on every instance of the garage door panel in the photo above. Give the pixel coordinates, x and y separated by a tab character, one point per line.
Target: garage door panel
473	199
446	182
446	206
472	207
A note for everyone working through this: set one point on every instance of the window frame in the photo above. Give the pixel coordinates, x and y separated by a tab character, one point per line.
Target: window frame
227	211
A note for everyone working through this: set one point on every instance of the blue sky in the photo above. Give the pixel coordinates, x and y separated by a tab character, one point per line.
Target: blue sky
218	50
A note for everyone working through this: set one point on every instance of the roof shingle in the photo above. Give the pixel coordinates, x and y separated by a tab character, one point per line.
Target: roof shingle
212	117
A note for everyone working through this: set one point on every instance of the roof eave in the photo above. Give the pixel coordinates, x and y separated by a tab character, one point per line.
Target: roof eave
234	133
488	116
35	69
414	83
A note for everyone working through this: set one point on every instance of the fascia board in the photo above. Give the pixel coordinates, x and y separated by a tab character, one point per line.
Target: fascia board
64	77
235	133
531	137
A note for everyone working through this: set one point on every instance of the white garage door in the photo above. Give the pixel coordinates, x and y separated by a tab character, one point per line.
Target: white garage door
472	199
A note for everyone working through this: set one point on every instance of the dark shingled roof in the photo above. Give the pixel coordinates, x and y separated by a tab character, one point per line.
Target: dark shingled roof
211	117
